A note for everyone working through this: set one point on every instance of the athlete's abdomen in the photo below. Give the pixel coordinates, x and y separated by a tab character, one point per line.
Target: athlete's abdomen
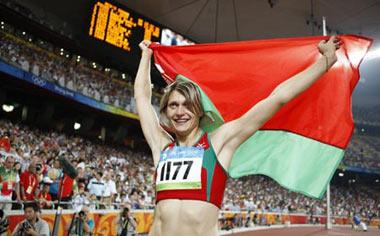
185	217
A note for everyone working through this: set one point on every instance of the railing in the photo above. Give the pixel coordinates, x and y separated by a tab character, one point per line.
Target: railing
106	220
19	205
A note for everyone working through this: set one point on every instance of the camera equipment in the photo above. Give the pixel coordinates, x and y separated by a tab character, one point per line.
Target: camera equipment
38	167
25	226
82	214
3	222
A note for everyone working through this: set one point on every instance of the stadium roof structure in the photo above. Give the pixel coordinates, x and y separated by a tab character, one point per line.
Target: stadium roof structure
235	20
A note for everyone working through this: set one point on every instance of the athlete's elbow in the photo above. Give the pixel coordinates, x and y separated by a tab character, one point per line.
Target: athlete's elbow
280	98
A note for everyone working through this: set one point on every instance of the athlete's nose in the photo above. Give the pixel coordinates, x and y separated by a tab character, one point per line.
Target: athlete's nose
180	110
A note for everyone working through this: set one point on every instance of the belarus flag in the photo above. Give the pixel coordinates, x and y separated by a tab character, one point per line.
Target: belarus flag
303	144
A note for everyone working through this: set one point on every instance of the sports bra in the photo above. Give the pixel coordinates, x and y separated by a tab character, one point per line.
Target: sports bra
190	173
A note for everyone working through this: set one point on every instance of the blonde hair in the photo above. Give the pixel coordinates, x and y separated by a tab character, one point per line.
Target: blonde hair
191	94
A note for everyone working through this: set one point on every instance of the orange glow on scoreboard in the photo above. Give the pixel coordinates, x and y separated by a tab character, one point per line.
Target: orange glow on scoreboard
120	27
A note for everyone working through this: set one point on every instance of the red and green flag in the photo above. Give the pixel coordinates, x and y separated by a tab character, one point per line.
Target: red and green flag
303	144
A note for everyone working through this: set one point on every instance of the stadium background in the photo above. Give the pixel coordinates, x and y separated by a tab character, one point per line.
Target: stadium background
76	84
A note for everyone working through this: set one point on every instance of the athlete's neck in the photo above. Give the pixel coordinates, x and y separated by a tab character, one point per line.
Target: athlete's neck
189	139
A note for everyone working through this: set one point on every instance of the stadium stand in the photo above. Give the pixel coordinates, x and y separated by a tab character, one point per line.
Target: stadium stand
66	70
131	174
114	177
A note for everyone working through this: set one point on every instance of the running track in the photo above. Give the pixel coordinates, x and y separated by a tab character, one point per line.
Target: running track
310	231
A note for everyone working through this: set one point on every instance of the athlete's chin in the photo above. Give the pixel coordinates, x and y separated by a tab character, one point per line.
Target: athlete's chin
182	129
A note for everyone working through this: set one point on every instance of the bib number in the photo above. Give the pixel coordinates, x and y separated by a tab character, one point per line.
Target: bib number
180	168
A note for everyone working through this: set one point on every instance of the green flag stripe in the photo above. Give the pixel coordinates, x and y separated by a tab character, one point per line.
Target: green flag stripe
295	162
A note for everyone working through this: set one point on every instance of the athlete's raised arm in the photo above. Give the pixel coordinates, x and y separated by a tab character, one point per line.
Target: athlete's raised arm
155	135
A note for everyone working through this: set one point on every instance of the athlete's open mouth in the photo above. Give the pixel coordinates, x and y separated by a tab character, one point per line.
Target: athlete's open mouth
181	121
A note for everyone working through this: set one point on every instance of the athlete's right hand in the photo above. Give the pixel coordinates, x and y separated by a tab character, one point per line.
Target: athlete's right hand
144	46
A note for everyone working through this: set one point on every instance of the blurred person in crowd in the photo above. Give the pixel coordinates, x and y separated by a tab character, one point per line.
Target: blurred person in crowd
149	199
135	199
18	168
357	222
55	174
29	184
33	224
5	142
127	224
44	196
9	182
96	185
81	198
67	189
82	224
109	192
62	186
94	202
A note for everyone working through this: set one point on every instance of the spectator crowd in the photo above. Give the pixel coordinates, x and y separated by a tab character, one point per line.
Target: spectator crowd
363	152
367	115
117	177
108	177
69	71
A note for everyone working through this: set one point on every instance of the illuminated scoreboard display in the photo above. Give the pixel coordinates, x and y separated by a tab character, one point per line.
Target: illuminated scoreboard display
120	27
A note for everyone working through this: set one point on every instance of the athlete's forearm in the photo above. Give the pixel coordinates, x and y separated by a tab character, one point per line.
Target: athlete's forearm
292	87
142	85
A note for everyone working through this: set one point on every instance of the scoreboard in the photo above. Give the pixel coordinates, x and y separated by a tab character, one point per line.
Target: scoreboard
125	29
121	27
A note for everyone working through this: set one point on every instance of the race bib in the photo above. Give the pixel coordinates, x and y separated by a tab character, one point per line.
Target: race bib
29	190
10	185
180	168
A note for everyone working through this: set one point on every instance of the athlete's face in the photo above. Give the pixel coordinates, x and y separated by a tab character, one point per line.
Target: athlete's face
182	119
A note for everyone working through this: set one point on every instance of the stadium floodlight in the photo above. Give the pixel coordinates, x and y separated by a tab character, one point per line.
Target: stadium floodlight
77	125
8	108
341	174
373	54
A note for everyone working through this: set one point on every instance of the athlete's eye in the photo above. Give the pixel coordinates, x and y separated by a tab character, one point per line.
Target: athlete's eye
173	105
